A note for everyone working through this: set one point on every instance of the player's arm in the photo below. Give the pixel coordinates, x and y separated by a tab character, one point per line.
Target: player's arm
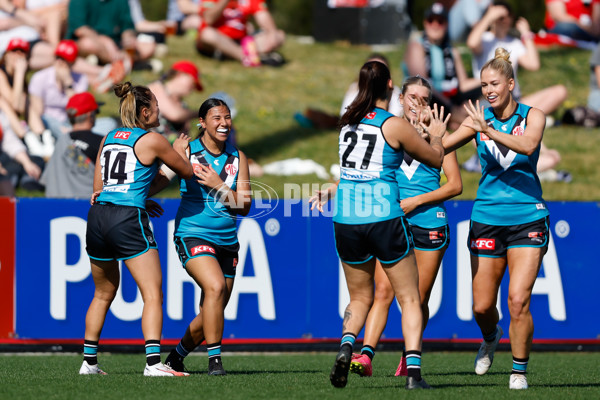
523	144
161	180
173	157
460	137
98	184
321	197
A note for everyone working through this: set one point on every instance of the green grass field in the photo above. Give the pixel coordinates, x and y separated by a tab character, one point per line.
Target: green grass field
296	376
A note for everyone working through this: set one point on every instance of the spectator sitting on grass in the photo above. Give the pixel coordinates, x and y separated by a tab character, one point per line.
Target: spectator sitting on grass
185	14
224	32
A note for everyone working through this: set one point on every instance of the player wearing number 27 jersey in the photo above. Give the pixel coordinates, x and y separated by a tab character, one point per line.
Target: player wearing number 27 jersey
126	180
368	191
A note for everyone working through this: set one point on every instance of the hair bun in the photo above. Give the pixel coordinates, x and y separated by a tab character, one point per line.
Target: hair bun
123	89
503	54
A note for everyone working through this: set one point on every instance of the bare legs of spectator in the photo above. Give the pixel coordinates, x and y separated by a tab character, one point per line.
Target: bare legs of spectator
210	39
548	100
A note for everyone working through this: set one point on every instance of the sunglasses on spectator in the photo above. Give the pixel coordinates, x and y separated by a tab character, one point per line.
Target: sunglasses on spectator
438	20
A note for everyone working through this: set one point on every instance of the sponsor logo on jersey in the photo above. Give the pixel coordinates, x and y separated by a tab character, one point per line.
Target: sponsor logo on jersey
483	244
118	188
122	135
518	131
540	206
357	176
197	168
201	249
441	214
230	169
371	115
483	136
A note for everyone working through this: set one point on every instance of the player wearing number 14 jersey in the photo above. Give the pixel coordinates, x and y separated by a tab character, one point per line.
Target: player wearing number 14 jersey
118	226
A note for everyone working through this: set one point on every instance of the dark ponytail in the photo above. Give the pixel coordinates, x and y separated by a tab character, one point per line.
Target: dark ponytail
372	86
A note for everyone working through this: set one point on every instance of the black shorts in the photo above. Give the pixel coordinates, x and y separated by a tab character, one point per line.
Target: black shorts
389	241
118	232
191	247
495	240
430	239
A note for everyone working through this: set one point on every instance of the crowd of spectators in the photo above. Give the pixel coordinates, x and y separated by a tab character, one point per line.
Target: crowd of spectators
55	54
52	51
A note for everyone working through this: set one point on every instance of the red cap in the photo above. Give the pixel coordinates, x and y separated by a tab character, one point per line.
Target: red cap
67	50
189	68
18	44
82	103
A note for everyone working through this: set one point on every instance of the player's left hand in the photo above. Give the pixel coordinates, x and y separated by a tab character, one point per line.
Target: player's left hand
208	177
408	205
154	209
94	197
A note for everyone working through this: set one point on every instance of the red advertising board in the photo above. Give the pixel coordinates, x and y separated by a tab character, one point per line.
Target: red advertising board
7	266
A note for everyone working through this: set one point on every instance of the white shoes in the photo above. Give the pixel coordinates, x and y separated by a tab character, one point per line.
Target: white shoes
162	370
485	356
518	381
87	369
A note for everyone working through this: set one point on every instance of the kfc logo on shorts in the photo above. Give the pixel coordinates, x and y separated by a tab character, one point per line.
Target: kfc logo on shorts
202	249
518	131
483	244
371	115
536	236
230	169
122	135
434	235
235	262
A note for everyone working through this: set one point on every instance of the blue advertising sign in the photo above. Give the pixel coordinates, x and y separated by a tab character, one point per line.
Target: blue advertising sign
289	282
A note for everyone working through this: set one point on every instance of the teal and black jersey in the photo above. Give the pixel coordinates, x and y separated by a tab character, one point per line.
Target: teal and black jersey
415	178
126	180
509	191
368	191
201	214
